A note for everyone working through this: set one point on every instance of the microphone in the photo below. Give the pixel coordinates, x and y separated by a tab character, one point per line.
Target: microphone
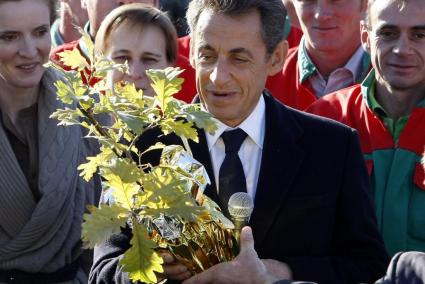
240	208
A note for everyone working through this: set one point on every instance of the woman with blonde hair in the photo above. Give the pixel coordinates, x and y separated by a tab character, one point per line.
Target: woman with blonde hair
42	196
140	35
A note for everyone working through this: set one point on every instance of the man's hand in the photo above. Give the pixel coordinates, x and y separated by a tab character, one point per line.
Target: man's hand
172	269
245	268
278	269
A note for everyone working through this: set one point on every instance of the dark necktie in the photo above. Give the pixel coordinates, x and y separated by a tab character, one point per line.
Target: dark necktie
231	176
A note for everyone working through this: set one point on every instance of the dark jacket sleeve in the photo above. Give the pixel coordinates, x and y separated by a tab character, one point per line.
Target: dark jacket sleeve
357	252
405	268
105	267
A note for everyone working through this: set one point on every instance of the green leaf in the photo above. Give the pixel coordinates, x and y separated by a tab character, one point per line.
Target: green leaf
168	192
165	83
157	146
122	192
88	43
202	119
135	123
125	169
180	127
88	169
74	59
86	102
101	223
65	92
67	116
141	261
103	65
130	92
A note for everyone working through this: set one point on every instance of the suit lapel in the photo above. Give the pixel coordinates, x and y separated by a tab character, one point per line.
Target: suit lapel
201	153
281	159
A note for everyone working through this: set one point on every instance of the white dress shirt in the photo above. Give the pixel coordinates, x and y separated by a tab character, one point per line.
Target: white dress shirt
251	149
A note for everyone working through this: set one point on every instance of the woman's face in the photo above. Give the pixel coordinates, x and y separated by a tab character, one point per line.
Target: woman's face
143	49
24	42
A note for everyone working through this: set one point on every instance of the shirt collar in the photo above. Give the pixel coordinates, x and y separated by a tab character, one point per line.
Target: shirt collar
368	88
253	125
358	63
306	66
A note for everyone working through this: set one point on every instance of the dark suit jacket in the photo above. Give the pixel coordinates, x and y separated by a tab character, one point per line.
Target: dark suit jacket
313	205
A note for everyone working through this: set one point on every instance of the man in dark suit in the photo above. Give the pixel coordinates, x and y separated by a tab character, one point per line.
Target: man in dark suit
313	217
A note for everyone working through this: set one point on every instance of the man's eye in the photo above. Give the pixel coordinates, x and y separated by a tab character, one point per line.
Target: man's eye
419	35
387	34
206	57
240	60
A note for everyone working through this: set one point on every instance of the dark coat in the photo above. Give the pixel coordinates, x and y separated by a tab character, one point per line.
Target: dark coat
313	205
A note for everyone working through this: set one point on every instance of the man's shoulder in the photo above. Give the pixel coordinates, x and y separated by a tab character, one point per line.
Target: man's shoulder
311	124
338	104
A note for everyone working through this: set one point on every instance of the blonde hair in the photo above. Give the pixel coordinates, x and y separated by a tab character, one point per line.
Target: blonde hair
138	14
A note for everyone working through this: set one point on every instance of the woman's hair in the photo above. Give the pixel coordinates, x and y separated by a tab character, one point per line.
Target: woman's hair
138	14
52	4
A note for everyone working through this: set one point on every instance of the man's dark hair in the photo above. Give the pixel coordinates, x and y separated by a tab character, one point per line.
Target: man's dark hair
272	14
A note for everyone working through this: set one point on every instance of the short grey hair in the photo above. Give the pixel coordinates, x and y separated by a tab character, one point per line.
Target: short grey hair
272	15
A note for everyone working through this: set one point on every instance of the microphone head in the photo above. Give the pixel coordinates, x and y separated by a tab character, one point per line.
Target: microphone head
240	205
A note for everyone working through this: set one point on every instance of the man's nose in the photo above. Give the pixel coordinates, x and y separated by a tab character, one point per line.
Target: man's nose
220	73
403	46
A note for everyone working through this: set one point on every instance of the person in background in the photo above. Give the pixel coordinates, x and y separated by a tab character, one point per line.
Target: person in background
177	13
97	11
141	35
42	196
329	56
292	27
313	216
388	111
64	28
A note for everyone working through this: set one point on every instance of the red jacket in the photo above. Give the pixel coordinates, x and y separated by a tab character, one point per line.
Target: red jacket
294	37
285	85
186	94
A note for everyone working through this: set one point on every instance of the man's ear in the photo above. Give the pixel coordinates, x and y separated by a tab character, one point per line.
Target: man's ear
364	36
277	58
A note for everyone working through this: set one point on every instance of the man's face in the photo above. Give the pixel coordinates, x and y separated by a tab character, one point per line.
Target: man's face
330	25
98	9
231	64
395	39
